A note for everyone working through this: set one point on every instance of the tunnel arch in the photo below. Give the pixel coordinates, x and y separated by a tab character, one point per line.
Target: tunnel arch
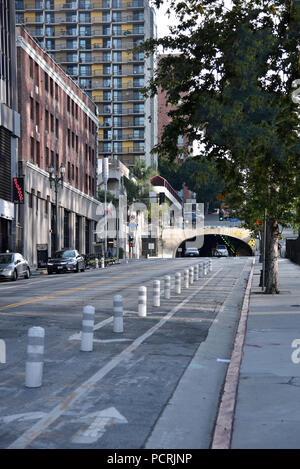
236	247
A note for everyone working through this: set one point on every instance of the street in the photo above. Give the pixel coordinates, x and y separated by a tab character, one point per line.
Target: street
113	396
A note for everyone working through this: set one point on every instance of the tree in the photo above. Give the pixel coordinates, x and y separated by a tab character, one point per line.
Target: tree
231	84
200	176
138	187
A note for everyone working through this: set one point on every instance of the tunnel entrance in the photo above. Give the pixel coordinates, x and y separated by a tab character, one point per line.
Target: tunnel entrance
234	246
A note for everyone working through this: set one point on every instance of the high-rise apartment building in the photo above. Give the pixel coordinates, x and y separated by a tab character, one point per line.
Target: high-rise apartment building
94	42
9	124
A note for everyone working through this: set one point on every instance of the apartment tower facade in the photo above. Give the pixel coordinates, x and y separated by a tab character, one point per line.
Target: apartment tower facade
94	42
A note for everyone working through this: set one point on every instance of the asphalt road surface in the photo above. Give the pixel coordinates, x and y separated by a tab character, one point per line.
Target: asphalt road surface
113	396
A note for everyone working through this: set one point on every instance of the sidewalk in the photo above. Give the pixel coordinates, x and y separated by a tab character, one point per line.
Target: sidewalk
267	412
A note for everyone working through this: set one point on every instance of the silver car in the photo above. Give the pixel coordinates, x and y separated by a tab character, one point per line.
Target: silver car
13	266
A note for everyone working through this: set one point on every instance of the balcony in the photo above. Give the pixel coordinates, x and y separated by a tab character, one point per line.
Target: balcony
104	4
64	33
61	6
126	112
128	150
38	5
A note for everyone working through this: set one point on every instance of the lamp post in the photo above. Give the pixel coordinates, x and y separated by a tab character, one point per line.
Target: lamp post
55	180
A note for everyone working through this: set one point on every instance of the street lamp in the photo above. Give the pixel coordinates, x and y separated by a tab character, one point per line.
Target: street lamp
55	180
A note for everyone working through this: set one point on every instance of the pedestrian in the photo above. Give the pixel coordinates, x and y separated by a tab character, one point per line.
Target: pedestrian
279	248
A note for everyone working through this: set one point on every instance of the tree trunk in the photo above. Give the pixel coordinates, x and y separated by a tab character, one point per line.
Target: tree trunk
271	257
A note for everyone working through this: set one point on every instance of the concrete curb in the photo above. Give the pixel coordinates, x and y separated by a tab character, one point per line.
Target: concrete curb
224	423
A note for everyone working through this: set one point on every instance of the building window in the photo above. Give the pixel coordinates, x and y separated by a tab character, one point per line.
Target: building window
37	74
56	128
30	67
47	157
69	137
32	149
46	205
47	121
37	113
66	229
76	176
38	157
31	109
52	122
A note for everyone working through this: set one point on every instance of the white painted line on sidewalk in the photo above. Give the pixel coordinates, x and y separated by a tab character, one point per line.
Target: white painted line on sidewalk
32	433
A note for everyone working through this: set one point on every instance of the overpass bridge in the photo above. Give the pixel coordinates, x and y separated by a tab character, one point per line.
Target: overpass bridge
213	231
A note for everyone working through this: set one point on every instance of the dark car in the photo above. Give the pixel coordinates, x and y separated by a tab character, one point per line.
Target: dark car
13	266
68	260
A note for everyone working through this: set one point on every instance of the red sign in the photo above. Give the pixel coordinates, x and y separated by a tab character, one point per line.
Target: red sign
18	190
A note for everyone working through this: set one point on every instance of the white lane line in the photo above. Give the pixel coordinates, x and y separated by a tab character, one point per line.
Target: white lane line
32	433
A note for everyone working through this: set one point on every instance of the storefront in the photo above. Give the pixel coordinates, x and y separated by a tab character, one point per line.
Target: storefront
6	218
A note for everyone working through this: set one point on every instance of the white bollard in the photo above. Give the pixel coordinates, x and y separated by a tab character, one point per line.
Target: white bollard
118	314
186	278
156	293
35	357
87	335
102	263
210	265
167	289
205	269
178	283
201	269
142	301
191	269
96	263
195	273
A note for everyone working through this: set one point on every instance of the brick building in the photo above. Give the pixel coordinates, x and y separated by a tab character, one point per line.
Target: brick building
59	127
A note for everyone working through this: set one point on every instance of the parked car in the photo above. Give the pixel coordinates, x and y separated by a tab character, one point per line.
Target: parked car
221	251
67	260
13	266
191	252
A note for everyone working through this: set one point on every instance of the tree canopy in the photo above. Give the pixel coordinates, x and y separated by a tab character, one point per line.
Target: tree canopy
231	83
200	176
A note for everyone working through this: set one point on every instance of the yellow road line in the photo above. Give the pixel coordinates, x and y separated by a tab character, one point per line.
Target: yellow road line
73	290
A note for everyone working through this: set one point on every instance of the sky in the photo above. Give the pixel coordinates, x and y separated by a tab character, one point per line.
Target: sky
162	20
